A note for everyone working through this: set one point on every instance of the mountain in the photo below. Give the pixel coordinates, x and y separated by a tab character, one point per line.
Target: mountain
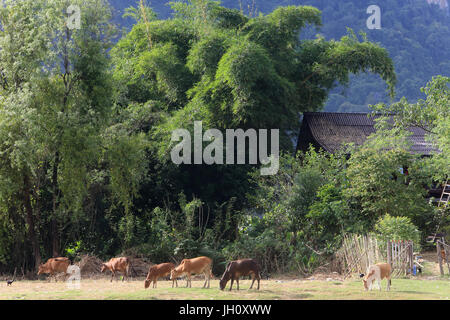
415	32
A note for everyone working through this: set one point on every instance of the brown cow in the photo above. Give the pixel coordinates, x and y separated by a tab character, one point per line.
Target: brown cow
238	268
121	264
54	266
193	266
159	271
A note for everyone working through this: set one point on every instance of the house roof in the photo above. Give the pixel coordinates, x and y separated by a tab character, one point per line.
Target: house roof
330	130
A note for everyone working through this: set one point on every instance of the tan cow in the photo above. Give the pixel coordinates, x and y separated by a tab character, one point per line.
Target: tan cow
193	266
54	266
159	271
114	265
377	272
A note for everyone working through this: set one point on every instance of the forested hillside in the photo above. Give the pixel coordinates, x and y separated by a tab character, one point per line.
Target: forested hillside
416	34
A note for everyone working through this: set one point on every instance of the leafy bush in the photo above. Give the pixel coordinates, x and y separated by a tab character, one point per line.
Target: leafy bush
396	228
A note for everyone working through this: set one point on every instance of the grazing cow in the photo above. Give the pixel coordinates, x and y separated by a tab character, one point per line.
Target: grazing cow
377	272
159	271
193	266
238	268
121	264
54	266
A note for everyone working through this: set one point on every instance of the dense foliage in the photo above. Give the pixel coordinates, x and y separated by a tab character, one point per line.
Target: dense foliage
86	123
415	33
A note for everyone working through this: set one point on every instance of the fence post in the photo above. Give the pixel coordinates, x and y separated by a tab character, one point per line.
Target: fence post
411	256
438	248
388	248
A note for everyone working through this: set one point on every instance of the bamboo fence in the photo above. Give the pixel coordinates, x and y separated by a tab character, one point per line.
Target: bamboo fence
359	252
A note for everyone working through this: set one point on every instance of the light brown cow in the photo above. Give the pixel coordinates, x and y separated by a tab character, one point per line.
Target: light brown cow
114	265
377	272
193	266
54	266
159	271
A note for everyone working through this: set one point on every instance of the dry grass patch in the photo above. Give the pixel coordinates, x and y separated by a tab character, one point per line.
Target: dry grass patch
100	289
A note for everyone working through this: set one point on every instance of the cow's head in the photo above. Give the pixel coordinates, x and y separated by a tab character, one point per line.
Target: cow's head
103	268
366	286
174	274
41	269
367	279
147	283
364	280
223	281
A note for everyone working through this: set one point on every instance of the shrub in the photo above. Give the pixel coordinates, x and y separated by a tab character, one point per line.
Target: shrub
396	228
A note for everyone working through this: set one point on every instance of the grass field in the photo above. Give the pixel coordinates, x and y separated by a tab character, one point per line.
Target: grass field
270	290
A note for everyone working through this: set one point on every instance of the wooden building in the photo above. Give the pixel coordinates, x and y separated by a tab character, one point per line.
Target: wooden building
330	130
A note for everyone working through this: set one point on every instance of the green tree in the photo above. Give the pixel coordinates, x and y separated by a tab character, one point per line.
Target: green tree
55	105
397	228
230	70
379	184
430	114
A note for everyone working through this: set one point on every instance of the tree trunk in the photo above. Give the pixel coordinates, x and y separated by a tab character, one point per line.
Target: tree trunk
55	231
31	222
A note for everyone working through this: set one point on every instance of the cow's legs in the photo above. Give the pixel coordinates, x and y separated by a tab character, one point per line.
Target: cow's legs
209	277
237	282
253	281
206	279
231	285
188	280
112	275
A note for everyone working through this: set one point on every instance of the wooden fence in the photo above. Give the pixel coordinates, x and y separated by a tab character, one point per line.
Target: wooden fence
443	253
359	252
401	257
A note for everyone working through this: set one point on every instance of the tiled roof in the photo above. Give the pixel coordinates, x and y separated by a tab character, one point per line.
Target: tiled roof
330	130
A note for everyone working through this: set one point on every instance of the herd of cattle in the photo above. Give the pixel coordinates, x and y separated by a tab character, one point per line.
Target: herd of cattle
188	267
202	265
